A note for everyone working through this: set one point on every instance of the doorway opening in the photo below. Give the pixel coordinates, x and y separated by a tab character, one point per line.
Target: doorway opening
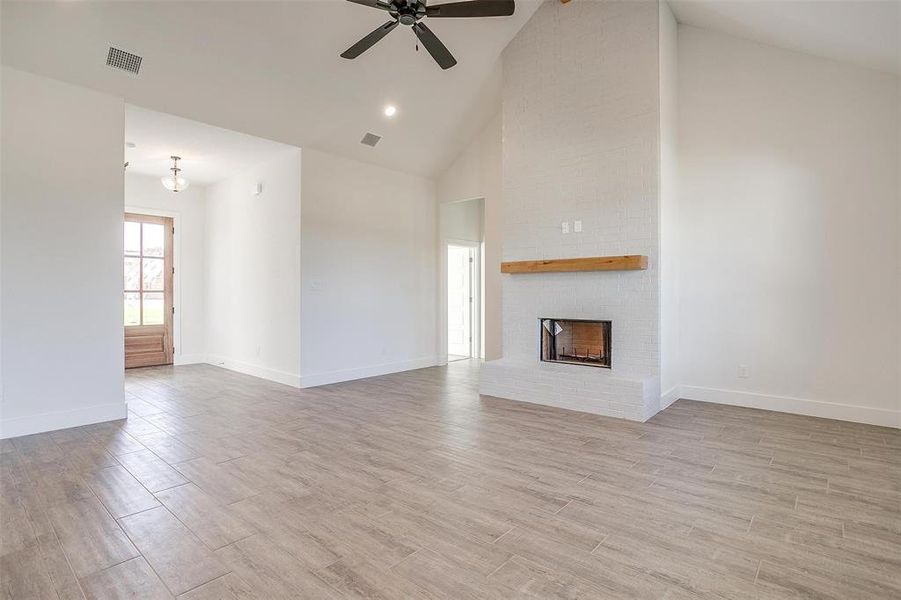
147	292
463	314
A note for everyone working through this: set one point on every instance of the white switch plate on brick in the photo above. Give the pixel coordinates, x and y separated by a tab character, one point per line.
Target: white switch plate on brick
565	227
577	226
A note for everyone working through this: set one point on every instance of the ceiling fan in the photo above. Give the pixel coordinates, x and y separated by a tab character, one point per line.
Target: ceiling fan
410	12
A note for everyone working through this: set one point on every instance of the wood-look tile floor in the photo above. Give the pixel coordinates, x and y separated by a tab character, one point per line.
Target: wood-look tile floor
221	486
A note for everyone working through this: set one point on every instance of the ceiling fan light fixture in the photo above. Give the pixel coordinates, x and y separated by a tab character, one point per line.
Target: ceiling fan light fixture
175	182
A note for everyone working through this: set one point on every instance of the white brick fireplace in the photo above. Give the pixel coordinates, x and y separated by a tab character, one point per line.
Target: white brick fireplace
581	142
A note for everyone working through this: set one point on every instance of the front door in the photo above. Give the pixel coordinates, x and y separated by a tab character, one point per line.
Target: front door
148	291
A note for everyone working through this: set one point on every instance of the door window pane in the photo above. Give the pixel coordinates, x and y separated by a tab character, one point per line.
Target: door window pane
153	274
145	273
132	273
153	308
132	309
132	238
154	239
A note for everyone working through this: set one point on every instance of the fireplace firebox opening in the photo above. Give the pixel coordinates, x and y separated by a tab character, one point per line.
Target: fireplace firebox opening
575	342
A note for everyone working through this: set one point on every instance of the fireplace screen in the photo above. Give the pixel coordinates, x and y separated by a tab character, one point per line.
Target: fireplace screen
575	342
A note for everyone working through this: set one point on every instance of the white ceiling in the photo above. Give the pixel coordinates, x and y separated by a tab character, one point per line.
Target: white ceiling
272	69
862	32
208	154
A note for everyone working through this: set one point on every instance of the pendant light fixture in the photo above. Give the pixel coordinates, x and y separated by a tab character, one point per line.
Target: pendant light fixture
175	182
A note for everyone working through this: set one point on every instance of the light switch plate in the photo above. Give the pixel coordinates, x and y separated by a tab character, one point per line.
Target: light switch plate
577	226
565	227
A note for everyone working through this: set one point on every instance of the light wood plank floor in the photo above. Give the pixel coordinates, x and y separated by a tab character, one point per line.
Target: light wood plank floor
220	486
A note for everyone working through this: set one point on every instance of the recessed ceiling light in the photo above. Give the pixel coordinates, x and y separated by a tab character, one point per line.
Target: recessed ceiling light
390	110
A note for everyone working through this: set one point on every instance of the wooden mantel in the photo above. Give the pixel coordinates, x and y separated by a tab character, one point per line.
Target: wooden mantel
632	262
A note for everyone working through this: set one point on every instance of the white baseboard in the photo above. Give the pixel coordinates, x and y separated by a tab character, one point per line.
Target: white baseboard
63	419
191	359
257	371
798	406
317	379
669	397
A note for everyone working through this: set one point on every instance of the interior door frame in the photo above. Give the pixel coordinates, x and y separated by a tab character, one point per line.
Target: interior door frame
475	307
176	263
169	298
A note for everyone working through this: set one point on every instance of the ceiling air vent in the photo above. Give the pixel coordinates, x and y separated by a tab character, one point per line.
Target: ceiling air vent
370	139
120	59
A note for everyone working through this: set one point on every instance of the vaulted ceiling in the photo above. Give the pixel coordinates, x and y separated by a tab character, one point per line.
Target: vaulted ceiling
271	69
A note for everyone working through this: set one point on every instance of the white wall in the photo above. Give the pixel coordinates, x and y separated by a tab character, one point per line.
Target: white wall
369	239
462	220
669	207
789	230
253	270
61	196
145	195
476	173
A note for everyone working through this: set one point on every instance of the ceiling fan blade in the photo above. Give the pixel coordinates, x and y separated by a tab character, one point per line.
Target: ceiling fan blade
472	8
369	41
379	4
431	42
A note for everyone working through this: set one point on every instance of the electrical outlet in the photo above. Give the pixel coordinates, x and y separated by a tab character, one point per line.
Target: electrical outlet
577	226
565	227
743	371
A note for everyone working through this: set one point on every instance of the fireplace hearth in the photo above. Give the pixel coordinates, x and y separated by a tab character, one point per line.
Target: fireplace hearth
575	342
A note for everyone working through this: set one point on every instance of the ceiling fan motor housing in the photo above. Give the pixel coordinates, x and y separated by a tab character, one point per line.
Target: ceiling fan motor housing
407	12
